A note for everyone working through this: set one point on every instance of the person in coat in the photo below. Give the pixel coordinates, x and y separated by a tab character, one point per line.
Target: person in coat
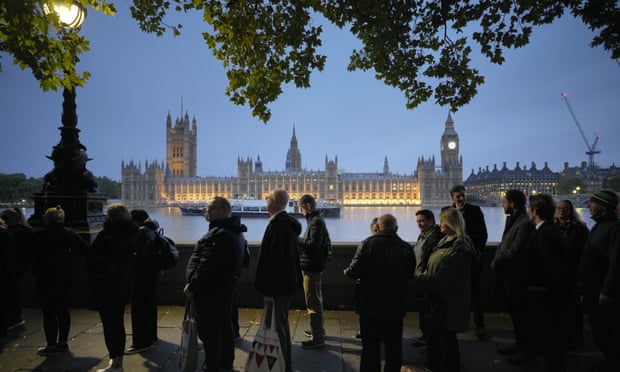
548	321
446	280
145	273
383	264
109	269
575	233
313	260
278	271
510	266
599	277
212	276
476	229
19	231
50	252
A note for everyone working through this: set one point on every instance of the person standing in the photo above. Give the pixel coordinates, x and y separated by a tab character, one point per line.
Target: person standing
476	229
384	263
446	278
19	230
278	271
109	268
374	228
145	273
598	280
313	260
510	266
212	276
4	280
430	235
50	252
547	315
575	234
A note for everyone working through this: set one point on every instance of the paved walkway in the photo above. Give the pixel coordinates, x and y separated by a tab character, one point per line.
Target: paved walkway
342	354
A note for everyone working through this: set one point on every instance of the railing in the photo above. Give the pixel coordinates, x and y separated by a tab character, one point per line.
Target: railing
337	289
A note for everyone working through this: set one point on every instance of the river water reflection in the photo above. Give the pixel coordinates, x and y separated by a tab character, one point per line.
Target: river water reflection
352	226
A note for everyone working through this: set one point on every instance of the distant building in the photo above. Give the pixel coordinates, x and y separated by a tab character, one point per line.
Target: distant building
176	181
491	185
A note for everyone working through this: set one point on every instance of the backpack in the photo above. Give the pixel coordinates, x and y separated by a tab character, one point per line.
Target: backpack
328	251
166	249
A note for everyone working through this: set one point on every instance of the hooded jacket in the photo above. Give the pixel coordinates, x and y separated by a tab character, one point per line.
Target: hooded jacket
216	262
278	271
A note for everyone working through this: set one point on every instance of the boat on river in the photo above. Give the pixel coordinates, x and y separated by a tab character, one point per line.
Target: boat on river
251	208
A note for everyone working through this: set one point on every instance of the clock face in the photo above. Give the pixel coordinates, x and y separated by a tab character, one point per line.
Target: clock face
451	145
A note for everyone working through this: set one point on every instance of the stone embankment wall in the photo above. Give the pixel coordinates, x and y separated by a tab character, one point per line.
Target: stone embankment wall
337	289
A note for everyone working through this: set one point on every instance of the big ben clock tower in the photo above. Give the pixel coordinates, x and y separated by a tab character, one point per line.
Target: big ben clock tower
451	162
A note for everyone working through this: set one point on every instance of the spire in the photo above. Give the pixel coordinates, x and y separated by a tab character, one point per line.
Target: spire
386	167
294	138
449	122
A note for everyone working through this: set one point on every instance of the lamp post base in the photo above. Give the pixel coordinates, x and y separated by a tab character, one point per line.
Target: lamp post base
83	211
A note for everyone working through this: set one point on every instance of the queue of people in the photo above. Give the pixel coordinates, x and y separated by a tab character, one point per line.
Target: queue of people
551	271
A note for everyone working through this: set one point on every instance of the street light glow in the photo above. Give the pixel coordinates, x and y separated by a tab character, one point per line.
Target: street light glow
70	15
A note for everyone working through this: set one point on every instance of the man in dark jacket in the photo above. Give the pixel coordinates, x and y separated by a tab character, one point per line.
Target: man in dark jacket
599	277
212	276
547	313
476	229
510	266
313	259
384	263
278	271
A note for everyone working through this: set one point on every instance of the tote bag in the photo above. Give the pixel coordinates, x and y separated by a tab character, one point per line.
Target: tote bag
266	352
188	351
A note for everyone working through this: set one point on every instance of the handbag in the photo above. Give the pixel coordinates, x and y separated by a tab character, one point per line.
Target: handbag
266	353
432	314
188	351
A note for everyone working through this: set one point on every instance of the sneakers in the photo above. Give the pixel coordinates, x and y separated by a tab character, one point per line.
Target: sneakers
110	369
308	333
135	349
313	344
62	347
16	324
47	351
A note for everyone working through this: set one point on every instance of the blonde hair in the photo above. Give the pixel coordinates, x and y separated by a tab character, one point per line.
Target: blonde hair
118	213
54	215
453	218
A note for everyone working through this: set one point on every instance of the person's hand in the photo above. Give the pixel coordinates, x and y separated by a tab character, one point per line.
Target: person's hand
604	299
187	292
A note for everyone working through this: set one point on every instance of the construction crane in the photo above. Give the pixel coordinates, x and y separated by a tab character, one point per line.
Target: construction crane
591	147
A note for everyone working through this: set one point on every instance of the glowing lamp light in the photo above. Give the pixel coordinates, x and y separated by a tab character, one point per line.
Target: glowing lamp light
70	14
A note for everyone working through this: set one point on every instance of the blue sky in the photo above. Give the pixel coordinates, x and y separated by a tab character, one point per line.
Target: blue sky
137	79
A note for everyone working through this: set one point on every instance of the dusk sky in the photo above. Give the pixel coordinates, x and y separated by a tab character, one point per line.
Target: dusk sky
137	79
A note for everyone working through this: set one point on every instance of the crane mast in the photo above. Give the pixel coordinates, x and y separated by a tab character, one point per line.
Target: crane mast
591	147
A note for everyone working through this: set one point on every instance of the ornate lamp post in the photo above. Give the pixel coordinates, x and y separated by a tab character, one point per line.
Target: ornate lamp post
69	184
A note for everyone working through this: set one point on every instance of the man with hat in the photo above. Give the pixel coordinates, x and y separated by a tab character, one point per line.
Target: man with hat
599	277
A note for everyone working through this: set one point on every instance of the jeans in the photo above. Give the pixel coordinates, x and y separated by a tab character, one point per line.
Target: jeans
314	303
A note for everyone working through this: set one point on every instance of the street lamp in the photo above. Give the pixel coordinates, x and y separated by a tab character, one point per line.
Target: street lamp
69	184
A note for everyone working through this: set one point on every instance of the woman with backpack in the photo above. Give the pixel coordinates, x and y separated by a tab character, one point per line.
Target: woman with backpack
109	270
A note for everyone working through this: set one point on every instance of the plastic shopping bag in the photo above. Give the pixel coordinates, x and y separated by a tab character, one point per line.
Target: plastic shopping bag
188	351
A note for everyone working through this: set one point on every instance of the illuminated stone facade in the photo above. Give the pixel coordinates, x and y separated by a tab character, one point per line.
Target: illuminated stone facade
176	182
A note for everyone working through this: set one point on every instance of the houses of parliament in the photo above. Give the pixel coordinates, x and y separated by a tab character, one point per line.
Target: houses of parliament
175	181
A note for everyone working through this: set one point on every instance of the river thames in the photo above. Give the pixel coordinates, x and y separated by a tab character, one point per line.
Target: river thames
352	226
